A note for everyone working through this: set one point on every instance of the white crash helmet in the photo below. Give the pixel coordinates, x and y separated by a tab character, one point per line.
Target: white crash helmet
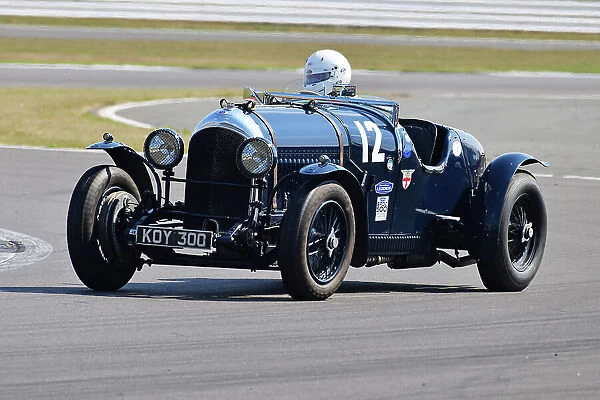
324	69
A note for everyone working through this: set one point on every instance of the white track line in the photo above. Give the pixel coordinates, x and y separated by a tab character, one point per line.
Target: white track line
111	112
38	148
583	178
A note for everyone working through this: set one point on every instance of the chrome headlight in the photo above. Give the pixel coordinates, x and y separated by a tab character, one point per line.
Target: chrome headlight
163	148
256	157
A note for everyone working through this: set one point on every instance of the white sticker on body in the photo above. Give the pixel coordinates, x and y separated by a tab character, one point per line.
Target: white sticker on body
456	148
381	209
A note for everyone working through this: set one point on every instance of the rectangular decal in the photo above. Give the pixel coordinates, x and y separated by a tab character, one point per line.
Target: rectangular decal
381	209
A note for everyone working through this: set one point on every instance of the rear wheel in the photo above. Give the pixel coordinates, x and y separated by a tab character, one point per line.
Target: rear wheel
317	241
96	228
521	238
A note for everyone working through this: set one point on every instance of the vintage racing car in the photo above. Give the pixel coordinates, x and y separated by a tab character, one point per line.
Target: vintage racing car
308	185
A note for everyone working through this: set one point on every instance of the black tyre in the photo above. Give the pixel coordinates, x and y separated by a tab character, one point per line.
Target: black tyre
96	228
521	238
316	243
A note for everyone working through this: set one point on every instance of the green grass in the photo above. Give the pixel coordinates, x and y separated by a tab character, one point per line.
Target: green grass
263	27
59	117
260	55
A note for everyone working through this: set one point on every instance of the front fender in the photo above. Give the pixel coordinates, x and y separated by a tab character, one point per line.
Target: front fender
321	172
131	162
489	198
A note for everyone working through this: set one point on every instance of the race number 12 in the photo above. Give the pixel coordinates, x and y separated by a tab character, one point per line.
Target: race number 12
376	156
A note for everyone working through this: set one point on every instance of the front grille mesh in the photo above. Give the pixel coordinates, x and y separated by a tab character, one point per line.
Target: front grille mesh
212	158
294	158
290	159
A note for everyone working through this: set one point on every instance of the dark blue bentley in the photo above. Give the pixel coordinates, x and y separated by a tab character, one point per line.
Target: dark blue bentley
309	185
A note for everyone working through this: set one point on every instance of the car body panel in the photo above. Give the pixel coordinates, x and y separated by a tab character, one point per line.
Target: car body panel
415	186
490	198
135	165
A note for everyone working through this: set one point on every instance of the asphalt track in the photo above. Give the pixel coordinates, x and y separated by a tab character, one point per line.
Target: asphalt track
432	333
94	33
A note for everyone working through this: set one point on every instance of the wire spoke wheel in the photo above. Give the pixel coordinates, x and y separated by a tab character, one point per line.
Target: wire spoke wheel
111	225
327	240
316	242
96	226
521	233
519	245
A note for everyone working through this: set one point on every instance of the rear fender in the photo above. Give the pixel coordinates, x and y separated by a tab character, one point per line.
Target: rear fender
318	173
131	162
489	198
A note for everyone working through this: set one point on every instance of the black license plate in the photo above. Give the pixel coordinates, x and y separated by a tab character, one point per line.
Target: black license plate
170	237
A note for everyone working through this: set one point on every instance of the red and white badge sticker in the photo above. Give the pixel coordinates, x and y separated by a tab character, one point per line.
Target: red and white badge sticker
406	177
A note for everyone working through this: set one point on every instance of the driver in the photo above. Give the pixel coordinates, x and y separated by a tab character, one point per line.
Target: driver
324	69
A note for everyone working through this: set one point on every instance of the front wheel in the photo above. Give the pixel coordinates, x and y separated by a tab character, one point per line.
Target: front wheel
97	225
521	238
317	241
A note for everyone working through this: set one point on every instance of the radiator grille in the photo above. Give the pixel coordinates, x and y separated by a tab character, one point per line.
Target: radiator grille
212	158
